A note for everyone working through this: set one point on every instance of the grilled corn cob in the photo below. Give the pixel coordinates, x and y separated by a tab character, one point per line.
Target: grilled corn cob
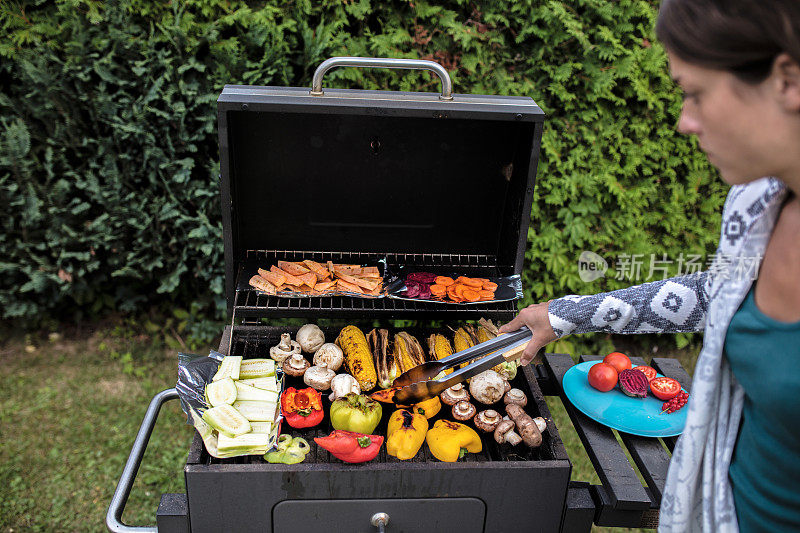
439	348
357	357
407	351
463	338
385	364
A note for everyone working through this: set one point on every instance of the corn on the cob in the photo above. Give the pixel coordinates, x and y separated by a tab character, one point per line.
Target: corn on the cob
407	351
385	364
463	338
439	348
357	357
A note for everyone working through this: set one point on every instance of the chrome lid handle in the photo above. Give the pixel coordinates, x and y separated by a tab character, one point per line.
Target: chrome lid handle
384	62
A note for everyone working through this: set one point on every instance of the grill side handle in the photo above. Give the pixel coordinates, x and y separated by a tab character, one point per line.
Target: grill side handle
384	62
120	498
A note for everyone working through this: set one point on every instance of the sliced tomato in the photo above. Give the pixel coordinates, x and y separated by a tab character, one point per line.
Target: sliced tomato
664	388
648	371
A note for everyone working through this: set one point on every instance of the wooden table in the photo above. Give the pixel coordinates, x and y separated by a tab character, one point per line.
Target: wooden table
620	500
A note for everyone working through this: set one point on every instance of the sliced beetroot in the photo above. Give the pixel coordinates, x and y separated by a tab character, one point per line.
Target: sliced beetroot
421	277
412	289
424	292
633	383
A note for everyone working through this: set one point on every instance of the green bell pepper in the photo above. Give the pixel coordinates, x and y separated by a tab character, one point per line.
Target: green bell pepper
356	413
288	450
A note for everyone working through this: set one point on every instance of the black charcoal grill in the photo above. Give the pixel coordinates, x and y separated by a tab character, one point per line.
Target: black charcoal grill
421	181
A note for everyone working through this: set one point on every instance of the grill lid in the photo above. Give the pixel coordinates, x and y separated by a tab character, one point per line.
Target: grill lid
376	171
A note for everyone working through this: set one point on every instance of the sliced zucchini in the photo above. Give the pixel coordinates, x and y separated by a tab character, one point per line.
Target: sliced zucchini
256	411
266	383
256	368
261	427
210	443
252	394
200	425
221	392
228	368
243	443
227	420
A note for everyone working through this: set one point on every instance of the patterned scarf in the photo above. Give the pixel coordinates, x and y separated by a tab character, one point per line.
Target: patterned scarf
698	495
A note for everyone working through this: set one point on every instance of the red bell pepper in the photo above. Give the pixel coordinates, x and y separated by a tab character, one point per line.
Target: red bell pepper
351	447
302	408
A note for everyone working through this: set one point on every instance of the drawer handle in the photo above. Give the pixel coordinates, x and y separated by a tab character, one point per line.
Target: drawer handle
380	520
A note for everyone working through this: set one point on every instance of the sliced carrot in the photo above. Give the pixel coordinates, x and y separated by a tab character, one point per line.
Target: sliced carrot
459	290
471	295
451	292
486	294
489	286
443	280
438	290
472	282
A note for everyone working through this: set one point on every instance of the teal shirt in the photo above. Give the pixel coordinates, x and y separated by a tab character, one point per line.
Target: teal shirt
764	355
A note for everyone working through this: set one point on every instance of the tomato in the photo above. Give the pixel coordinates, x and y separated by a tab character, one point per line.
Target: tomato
650	372
664	388
603	377
618	360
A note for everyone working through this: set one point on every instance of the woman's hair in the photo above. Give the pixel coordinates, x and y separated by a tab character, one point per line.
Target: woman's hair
740	36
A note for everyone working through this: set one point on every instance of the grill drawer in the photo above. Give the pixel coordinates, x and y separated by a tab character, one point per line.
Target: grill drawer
465	515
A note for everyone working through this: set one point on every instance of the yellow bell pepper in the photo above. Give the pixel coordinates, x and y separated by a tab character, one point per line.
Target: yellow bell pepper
448	441
428	408
405	434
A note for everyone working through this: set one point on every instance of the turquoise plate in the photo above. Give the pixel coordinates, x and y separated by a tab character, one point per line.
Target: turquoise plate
637	416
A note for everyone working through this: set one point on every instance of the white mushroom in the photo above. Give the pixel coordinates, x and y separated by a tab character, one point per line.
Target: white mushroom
487	420
455	394
296	365
284	349
310	338
319	377
505	433
329	355
463	411
515	396
487	387
343	384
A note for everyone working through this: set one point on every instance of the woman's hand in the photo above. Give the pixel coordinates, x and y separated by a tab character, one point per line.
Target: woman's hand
535	317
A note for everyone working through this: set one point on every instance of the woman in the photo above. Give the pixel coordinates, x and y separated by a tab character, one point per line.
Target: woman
737	464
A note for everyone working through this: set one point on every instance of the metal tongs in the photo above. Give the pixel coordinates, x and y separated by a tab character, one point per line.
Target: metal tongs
416	384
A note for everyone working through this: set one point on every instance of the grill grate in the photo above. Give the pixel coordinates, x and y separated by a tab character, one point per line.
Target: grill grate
248	303
254	341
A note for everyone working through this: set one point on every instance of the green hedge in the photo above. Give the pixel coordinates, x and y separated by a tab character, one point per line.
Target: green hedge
108	146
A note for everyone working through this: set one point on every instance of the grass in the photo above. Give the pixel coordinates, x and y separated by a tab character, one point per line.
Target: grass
70	409
68	415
